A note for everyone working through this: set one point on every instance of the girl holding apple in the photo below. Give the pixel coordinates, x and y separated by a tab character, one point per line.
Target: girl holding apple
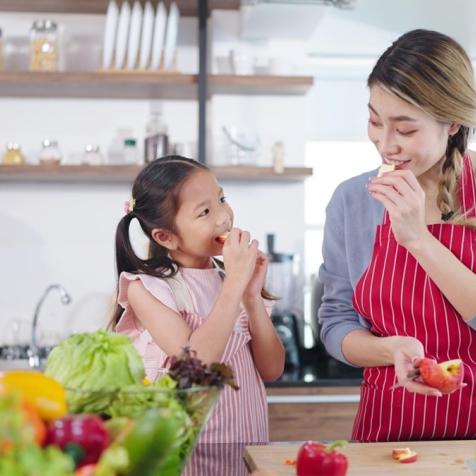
399	267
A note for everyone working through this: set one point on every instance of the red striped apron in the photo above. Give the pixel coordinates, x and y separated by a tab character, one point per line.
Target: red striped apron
398	298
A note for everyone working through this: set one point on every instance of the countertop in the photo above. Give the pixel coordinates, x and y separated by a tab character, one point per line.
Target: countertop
435	458
320	370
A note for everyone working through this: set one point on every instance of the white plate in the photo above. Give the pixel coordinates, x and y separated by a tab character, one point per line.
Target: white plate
110	34
146	39
134	35
159	34
122	35
171	36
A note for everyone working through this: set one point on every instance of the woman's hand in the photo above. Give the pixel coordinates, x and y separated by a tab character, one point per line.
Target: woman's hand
239	258
404	199
406	350
258	278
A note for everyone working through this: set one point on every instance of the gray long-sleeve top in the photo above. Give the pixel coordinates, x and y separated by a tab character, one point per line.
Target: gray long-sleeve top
352	216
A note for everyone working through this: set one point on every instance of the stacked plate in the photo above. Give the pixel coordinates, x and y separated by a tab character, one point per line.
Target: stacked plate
137	37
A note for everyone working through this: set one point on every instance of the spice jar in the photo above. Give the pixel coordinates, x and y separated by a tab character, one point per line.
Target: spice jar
50	153
92	155
13	155
44	46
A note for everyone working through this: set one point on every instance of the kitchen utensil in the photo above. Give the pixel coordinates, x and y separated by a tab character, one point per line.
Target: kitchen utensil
122	35
146	39
134	35
159	35
110	29
171	36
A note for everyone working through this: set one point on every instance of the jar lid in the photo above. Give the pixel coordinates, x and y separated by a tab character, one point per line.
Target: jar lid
91	148
49	143
131	142
44	25
13	146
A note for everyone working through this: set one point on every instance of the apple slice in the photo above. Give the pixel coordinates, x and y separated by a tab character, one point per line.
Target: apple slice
222	238
404	455
409	457
385	168
398	452
445	376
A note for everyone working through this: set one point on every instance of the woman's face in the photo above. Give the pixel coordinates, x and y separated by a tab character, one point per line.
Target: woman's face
405	135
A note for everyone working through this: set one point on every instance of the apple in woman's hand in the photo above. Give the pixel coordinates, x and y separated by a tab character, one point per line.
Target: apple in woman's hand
445	376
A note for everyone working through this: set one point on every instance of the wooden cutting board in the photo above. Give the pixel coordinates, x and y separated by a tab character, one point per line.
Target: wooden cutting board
435	458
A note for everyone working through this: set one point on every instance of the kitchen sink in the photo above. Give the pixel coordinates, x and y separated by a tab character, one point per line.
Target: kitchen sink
17	356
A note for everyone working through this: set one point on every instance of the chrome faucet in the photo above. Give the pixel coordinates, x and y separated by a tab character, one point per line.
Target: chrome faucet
33	353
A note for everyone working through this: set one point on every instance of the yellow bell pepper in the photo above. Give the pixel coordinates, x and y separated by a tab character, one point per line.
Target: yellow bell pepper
44	393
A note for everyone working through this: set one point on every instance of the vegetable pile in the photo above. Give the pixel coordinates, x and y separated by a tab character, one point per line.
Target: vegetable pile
93	414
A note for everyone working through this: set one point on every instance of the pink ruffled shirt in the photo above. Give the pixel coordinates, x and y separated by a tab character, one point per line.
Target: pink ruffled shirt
239	416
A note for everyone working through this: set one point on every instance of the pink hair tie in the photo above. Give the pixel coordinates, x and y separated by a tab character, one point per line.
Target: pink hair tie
129	205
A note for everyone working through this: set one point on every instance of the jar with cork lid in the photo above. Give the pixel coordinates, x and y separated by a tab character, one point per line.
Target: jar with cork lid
13	155
44	46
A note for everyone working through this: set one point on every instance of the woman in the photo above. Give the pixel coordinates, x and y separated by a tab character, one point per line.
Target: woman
399	267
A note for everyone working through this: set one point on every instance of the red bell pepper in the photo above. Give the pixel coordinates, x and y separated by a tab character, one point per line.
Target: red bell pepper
83	436
317	459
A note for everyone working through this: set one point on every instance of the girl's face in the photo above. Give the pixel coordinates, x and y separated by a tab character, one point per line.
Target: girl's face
203	215
405	135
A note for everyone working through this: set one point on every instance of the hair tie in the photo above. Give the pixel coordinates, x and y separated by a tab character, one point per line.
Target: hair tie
129	205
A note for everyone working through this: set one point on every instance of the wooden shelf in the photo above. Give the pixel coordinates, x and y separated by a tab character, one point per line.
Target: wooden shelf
141	85
186	7
127	173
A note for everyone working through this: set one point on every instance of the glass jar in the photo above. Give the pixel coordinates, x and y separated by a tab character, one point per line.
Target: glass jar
44	46
13	155
50	153
131	152
92	155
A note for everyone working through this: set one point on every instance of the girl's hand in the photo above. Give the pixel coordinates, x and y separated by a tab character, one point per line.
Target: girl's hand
258	278
405	351
404	199
239	257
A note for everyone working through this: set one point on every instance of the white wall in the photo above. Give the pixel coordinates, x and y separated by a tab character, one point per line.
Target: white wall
65	232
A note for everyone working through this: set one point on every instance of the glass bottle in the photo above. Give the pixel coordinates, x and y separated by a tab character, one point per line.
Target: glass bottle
50	153
156	143
44	46
131	152
13	155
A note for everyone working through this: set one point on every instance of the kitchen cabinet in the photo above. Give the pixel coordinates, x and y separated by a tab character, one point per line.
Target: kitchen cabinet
311	412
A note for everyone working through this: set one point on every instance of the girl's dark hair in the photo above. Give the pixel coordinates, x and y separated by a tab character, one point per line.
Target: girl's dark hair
433	72
155	192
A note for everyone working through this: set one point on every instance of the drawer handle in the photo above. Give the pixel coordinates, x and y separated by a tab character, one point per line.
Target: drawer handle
313	399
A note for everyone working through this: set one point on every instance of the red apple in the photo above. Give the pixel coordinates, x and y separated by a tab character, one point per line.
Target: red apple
445	376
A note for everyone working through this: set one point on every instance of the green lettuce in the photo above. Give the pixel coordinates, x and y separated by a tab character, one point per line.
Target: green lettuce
93	367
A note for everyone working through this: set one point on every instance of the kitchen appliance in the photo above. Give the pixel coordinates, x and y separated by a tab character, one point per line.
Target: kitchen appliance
281	282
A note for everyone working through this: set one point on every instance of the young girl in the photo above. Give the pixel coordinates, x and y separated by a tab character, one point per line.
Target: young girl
411	294
179	295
